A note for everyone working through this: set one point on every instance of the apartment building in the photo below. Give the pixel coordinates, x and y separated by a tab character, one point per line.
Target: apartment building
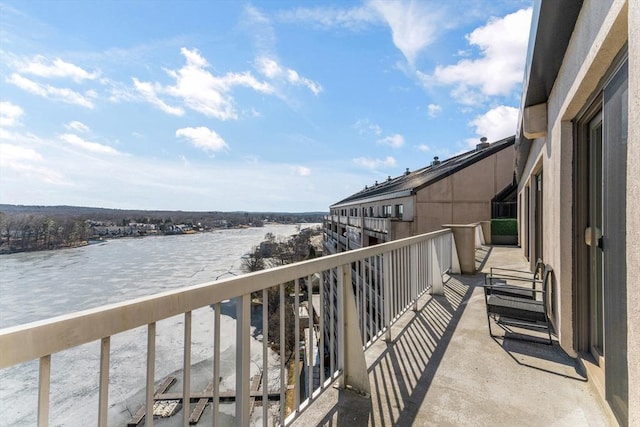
578	174
457	190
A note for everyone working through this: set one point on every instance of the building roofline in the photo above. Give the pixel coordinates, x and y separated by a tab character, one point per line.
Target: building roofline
439	171
552	24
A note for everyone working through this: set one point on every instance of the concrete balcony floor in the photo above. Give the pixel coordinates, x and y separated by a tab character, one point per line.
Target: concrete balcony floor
443	369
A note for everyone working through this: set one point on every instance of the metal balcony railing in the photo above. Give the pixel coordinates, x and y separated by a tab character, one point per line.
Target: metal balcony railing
380	225
363	292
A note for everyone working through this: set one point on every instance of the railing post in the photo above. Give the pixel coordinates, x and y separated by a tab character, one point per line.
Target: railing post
414	275
243	319
103	396
44	379
386	263
350	348
455	261
186	370
437	286
216	366
151	364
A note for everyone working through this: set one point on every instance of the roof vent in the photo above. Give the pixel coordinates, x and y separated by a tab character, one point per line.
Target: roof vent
483	143
389	178
436	161
407	172
376	183
366	186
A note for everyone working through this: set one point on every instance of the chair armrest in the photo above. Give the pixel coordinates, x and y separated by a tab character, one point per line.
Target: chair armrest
512	270
517	279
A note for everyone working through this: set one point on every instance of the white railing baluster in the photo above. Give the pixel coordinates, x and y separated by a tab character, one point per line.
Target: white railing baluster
215	405
44	386
283	372
103	394
310	354
414	275
296	350
243	353
386	297
186	371
265	356
332	321
321	331
151	367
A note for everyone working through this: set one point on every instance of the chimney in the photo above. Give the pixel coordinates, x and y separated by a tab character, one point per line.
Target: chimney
483	143
407	172
389	178
436	161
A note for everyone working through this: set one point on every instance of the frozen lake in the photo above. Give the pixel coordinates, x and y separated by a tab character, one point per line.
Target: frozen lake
40	285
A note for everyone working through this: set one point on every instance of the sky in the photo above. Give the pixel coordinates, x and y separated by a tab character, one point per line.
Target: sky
254	106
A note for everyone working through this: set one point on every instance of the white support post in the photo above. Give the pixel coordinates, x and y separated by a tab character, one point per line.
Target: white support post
455	261
216	367
386	262
437	286
243	326
186	370
414	275
351	352
151	372
44	385
103	396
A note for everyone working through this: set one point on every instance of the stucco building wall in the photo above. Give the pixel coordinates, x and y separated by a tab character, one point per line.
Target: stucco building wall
601	32
459	199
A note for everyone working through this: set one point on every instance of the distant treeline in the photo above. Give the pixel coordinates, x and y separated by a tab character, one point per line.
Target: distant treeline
30	228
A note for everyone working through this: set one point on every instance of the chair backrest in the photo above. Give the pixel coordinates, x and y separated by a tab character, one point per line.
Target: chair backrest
538	272
546	279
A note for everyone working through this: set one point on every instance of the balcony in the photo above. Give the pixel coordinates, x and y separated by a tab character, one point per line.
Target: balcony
403	338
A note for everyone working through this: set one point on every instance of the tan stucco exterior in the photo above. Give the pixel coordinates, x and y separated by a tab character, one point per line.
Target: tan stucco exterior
464	197
633	216
601	32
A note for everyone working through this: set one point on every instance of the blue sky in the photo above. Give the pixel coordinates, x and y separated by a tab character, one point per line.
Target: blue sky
259	106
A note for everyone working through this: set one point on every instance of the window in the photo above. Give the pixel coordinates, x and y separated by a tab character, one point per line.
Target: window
386	211
399	211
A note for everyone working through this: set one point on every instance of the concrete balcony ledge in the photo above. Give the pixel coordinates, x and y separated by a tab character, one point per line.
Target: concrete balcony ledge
443	369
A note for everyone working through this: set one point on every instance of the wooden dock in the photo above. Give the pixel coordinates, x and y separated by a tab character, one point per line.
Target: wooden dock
202	398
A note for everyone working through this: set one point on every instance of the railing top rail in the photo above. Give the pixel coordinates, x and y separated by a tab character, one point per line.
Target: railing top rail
30	341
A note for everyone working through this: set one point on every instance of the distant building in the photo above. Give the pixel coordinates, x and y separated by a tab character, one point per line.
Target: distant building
457	190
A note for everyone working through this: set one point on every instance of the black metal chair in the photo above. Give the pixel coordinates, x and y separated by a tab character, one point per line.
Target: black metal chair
511	309
499	277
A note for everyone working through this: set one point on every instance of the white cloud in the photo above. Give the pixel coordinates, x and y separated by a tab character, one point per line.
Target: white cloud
301	170
370	163
498	71
148	93
354	18
26	162
258	27
203	138
94	147
50	92
433	110
199	89
395	141
10	114
423	147
497	123
365	126
77	126
43	67
413	24
272	70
